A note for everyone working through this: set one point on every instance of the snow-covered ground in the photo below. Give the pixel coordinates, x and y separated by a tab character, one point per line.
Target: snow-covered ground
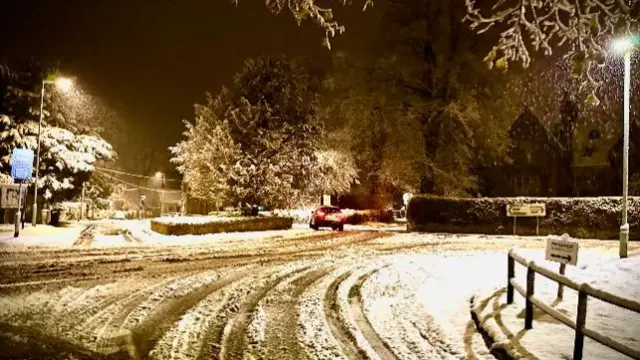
40	235
294	294
550	338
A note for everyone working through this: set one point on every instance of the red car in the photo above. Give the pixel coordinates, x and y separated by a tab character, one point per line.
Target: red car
327	216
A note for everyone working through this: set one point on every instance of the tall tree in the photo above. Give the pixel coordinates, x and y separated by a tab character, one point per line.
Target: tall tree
268	139
365	109
461	106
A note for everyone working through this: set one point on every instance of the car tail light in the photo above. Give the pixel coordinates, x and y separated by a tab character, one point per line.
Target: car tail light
320	213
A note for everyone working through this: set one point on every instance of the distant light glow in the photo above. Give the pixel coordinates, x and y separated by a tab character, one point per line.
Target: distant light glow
622	45
159	175
64	84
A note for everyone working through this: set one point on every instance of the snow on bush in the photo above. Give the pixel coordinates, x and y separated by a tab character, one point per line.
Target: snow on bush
190	220
580	217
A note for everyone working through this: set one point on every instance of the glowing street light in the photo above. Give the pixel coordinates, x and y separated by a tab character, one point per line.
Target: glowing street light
64	84
625	46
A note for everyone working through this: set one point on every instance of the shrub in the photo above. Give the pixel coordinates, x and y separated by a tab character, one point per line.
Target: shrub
355	217
210	225
579	217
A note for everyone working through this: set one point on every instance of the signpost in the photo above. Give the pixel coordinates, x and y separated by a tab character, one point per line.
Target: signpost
143	198
563	251
536	210
326	200
21	170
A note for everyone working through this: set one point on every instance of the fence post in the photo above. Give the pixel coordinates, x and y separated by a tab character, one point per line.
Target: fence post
510	275
563	267
528	315
581	319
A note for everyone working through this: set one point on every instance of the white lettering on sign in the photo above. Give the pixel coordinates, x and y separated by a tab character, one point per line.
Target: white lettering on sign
527	210
562	251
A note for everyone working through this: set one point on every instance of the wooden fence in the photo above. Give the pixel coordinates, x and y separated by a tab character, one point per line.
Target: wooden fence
584	291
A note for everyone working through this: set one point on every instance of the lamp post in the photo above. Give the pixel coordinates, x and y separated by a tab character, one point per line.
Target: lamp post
625	46
63	84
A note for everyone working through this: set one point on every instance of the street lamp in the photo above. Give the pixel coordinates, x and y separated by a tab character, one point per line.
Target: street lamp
625	46
64	84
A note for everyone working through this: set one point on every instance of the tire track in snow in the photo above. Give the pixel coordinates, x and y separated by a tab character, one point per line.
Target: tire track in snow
104	327
155	324
234	340
187	338
378	345
35	343
276	317
336	322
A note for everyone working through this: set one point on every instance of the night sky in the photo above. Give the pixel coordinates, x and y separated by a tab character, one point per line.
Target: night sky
151	60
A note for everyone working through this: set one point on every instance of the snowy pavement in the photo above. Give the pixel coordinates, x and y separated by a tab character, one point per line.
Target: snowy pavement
127	293
40	235
549	338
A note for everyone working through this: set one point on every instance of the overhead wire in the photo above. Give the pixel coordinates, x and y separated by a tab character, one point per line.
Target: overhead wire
100	172
133	175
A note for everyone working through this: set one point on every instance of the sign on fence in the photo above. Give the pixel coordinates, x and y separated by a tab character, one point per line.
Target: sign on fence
526	210
537	210
9	196
562	251
21	164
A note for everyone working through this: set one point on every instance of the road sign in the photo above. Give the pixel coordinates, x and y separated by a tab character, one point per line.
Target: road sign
9	196
527	210
21	164
406	197
562	250
326	200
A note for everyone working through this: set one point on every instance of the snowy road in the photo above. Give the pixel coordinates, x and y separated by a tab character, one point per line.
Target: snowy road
293	294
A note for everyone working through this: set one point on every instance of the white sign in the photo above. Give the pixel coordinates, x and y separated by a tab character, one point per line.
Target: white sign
562	251
326	200
9	197
526	210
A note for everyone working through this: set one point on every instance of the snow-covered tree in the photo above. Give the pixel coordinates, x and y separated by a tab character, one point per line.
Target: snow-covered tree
259	142
66	158
207	154
583	28
309	9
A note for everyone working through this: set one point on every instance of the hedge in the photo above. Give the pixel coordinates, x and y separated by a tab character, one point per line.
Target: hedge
595	218
364	216
220	225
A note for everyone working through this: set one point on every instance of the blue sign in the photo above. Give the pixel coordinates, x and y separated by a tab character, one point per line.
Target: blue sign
21	164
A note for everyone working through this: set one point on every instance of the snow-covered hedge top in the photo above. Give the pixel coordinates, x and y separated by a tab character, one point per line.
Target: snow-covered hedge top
177	220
